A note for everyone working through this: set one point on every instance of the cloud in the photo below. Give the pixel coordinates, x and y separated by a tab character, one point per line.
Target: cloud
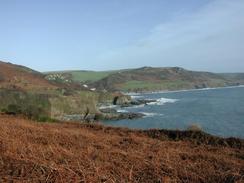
210	39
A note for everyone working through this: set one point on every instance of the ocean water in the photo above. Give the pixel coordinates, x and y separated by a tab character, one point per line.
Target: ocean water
218	111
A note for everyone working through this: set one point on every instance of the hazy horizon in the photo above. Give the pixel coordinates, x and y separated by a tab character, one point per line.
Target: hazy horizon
92	35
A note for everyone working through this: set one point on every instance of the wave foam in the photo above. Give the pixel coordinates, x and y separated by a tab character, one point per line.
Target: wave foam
136	106
107	106
163	101
151	114
136	96
122	111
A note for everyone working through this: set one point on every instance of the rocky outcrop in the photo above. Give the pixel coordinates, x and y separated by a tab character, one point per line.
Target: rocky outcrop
201	86
108	110
138	102
122	100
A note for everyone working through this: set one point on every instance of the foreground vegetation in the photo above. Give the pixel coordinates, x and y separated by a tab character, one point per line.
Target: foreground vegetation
72	152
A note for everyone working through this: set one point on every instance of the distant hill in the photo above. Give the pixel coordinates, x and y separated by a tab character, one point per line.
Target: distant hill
154	79
20	77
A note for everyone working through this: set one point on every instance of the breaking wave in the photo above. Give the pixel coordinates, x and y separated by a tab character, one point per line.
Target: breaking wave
151	114
136	96
122	111
162	101
136	106
107	106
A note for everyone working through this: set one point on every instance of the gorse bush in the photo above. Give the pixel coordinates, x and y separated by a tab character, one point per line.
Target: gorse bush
194	127
32	112
28	104
45	119
13	109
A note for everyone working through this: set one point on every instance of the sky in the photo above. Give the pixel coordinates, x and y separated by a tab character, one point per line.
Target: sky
49	35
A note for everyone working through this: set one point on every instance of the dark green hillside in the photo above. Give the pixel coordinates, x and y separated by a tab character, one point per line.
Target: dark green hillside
234	76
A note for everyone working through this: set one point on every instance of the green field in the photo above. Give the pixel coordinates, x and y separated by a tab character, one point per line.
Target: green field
83	76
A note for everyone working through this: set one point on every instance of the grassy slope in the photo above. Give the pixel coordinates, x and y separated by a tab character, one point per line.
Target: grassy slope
64	152
16	76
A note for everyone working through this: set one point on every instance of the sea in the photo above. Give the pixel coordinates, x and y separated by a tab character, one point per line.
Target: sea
218	111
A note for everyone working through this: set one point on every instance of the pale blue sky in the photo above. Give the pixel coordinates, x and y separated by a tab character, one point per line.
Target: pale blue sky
115	34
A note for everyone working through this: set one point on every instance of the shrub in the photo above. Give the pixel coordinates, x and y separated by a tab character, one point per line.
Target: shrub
13	109
32	112
98	116
194	127
45	119
3	110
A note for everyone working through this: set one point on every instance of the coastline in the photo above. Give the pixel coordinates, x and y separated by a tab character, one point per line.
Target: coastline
136	97
221	116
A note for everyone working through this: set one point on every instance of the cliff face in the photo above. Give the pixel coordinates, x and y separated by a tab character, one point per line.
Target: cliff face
64	152
81	106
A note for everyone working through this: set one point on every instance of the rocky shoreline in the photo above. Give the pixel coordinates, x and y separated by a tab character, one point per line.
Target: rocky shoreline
110	111
122	102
